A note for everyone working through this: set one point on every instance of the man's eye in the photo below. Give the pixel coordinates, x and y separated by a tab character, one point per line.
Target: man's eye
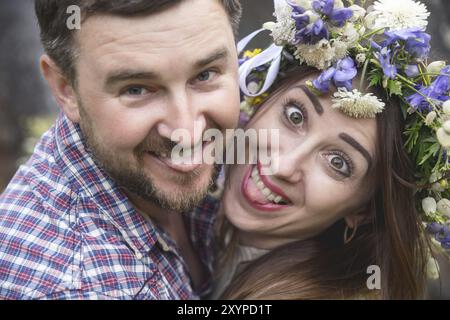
136	91
205	76
294	115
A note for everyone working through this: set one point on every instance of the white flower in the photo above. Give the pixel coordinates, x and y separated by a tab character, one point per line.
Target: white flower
305	4
432	269
398	14
430	118
435	67
322	54
358	12
338	4
446	126
443	137
361	58
429	205
446	107
357	105
350	34
436	186
443	207
283	31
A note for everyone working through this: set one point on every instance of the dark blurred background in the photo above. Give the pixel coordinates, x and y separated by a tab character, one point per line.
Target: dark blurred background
26	107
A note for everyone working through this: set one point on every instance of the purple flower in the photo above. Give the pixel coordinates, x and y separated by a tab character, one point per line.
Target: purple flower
341	74
322	83
434	227
412	70
323	6
437	91
337	17
384	57
416	41
312	32
340	16
443	236
345	72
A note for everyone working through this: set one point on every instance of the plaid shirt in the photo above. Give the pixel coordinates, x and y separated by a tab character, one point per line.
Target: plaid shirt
68	232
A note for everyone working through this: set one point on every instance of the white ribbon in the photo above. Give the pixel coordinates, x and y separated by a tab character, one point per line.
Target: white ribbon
271	54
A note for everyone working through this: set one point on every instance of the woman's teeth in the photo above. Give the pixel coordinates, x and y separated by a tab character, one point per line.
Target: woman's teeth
269	195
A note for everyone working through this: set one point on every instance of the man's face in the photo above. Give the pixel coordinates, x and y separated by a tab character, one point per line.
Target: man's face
141	78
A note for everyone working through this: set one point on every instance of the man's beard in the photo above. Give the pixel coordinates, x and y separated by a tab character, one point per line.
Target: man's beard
133	178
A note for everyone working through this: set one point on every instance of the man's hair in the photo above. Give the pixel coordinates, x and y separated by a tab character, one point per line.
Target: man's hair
58	40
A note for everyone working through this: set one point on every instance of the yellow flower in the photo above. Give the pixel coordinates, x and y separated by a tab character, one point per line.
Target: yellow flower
250	54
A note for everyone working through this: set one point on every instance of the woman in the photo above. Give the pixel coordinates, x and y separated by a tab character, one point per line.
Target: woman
342	202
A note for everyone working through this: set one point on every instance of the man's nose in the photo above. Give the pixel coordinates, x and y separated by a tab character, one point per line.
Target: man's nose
184	122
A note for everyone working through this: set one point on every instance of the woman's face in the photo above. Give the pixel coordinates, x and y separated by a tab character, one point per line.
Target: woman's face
325	171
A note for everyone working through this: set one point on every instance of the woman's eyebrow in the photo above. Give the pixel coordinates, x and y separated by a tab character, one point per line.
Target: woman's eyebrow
313	98
358	147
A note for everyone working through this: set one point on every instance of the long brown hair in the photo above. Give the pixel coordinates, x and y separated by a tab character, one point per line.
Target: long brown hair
324	267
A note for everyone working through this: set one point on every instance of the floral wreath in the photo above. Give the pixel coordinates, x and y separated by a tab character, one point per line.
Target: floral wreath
389	43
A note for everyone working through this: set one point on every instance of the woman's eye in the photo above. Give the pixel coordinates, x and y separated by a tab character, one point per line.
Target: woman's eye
295	115
340	164
136	91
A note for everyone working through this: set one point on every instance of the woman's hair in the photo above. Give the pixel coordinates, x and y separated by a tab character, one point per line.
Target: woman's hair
324	267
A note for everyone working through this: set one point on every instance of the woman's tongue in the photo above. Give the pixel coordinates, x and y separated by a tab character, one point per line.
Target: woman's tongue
255	194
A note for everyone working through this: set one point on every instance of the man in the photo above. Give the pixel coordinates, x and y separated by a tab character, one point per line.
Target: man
94	214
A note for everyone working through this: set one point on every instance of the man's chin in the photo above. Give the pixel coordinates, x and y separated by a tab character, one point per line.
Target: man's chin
181	197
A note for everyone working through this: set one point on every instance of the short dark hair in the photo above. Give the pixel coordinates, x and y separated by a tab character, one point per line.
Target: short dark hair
57	39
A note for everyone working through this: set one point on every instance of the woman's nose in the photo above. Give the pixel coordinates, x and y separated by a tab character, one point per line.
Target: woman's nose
292	162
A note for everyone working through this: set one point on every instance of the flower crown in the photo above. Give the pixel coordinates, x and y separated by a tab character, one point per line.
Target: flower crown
389	44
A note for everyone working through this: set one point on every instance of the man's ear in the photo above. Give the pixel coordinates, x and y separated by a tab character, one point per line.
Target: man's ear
63	91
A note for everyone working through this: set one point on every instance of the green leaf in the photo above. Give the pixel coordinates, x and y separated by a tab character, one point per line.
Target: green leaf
430	152
394	87
375	77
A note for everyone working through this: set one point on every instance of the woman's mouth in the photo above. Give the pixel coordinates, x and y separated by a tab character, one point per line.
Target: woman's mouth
261	193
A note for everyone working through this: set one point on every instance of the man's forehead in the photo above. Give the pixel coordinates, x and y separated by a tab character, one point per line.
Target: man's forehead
103	36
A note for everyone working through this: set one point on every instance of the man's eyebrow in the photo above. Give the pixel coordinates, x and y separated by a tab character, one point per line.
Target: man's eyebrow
219	54
358	147
124	75
316	103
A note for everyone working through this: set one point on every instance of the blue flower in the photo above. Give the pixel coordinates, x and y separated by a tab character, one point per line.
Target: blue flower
312	32
323	6
437	91
322	83
443	236
384	57
434	227
412	70
340	16
345	72
417	42
341	74
337	17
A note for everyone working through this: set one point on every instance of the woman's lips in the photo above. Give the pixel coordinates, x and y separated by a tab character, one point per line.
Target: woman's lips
270	185
254	196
